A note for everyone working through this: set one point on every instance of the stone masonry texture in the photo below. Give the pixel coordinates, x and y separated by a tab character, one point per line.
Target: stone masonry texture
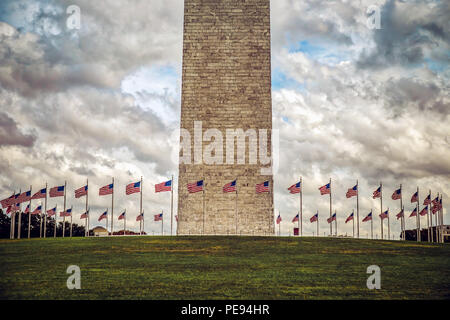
226	84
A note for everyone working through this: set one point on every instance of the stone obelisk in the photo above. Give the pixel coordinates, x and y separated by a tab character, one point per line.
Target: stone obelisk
226	85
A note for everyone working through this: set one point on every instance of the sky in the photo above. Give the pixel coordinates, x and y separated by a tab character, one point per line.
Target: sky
350	103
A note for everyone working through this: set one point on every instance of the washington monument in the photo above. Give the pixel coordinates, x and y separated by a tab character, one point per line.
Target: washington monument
226	118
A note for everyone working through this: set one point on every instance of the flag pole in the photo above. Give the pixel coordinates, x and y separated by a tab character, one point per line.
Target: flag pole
441	216
301	206
86	232
357	208
417	218
162	223
40	222
335	223
381	208
171	207
403	214
203	189
29	216
11	220
125	223
54	229
428	217
236	208
64	210
436	219
19	227
45	210
331	225
389	226
371	225
140	207
112	209
318	220
279	225
353	212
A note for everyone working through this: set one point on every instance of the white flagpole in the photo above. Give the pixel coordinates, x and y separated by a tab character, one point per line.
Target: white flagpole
86	231
29	216
428	218
381	208
45	210
64	210
418	217
357	208
112	209
236	208
331	225
301	206
171	206
162	223
140	208
56	213
125	222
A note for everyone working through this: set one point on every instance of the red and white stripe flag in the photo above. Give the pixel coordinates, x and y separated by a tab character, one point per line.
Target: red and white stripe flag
108	189
262	187
133	188
81	192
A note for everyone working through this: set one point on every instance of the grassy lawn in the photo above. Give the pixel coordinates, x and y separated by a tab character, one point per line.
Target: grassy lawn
222	268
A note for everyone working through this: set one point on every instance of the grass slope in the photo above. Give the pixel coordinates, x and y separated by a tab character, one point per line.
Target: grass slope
222	268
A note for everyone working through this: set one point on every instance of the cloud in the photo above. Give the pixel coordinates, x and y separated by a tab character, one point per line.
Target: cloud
11	135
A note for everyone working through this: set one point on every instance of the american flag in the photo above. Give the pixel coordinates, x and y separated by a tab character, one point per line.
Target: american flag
424	211
369	217
377	193
295	188
278	219
8	201
81	192
24	197
140	217
108	189
56	192
414	197
314	217
352	192
195	187
413	213
37	210
435	201
158	217
230	187
427	200
326	189
440	204
350	217
176	217
41	194
51	212
85	215
399	215
104	215
27	209
163	186
262	187
133	188
384	215
397	194
435	208
333	217
122	216
66	213
295	218
9	209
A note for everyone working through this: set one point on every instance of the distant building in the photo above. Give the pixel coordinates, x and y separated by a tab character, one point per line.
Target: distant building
99	232
412	234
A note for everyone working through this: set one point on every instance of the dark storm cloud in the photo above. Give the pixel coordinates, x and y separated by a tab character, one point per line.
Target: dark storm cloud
409	31
11	135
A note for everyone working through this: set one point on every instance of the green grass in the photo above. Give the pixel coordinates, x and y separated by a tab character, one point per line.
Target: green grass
222	268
